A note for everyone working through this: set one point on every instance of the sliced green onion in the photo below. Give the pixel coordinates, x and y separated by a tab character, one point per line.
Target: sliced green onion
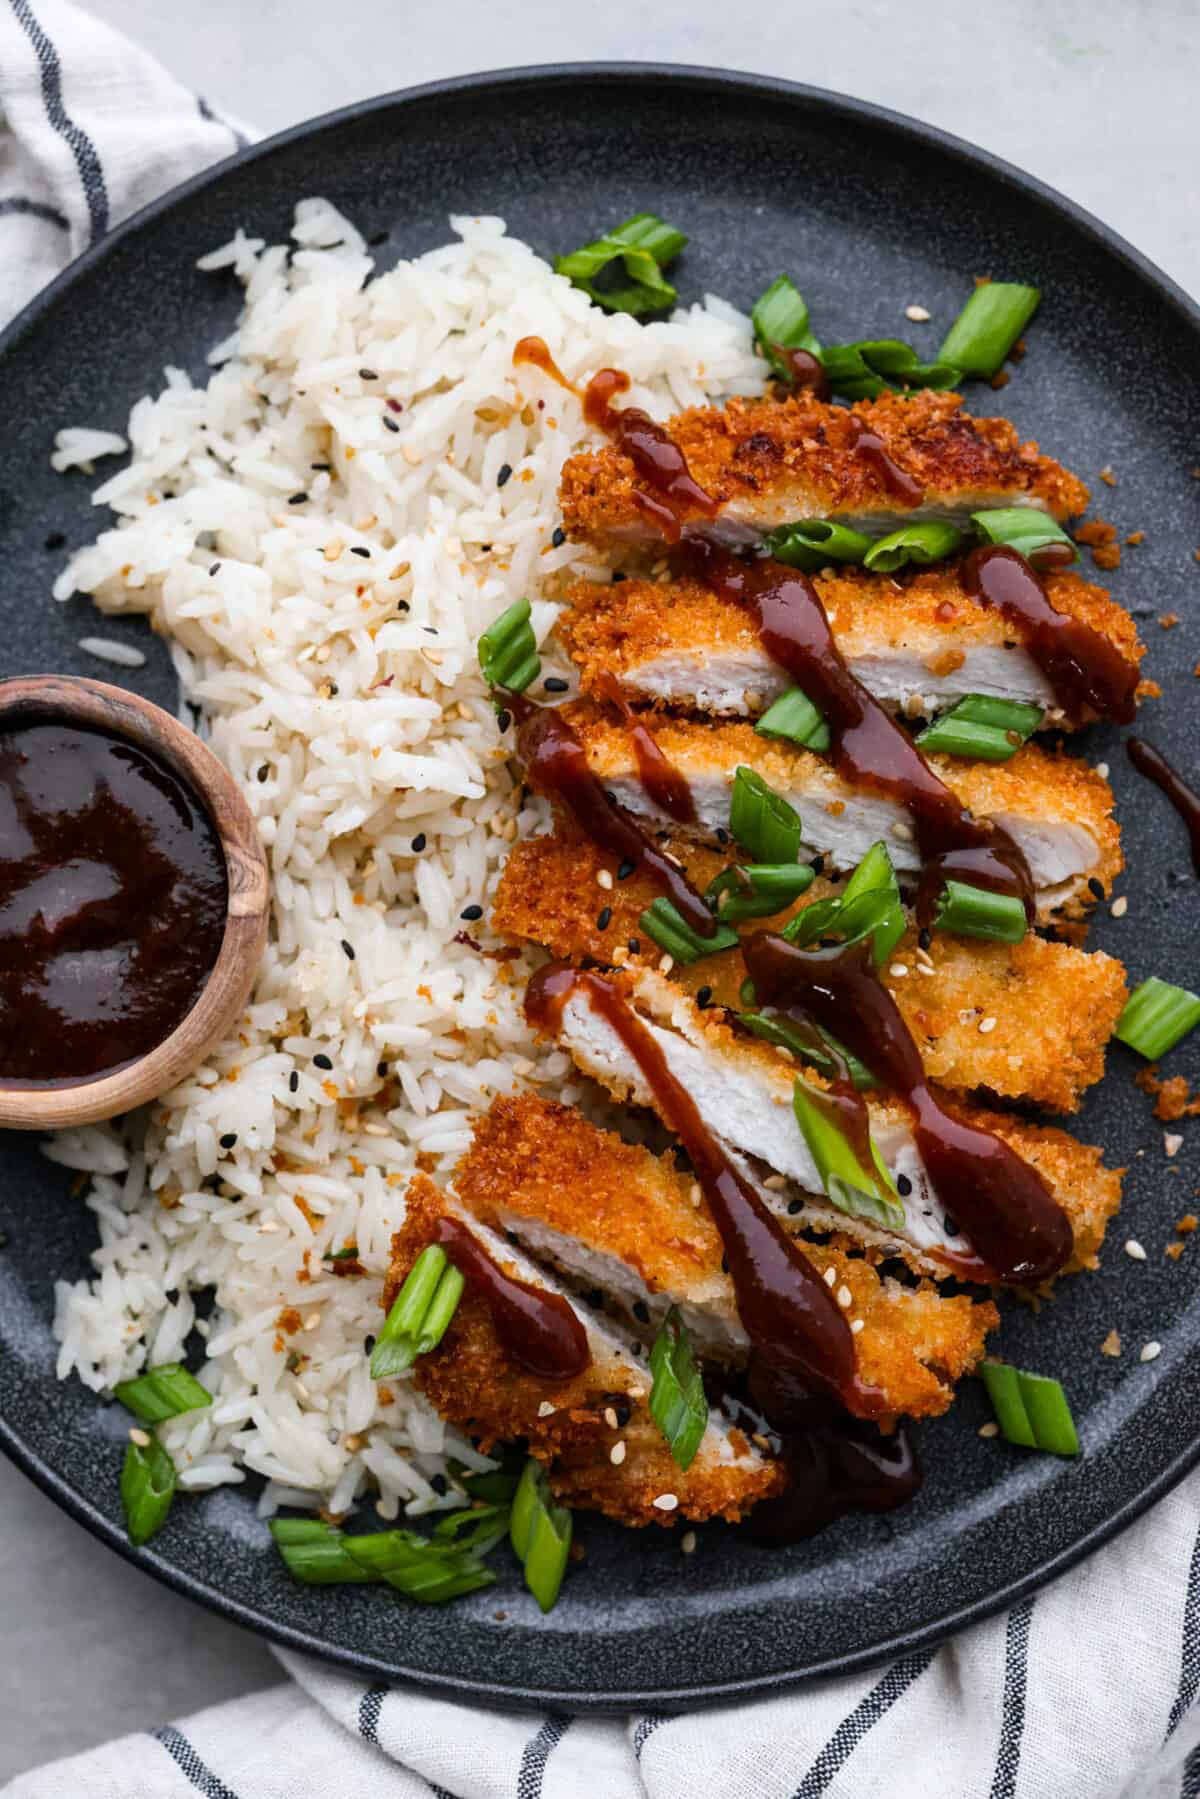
477	1528
496	1486
976	912
420	1314
868	905
677	1402
645	245
162	1393
147	1489
508	650
815	543
429	1571
864	370
780	320
757	891
348	1254
761	820
988	326
794	718
1156	1017
988	729
848	1186
672	932
315	1553
1031	1409
773	1027
1026	530
540	1532
919	544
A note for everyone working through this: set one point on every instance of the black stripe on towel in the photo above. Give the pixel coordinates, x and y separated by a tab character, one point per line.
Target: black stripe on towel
1189	1785
34	209
369	1708
1012	1723
856	1724
91	175
206	112
536	1754
643	1730
1189	1653
189	1763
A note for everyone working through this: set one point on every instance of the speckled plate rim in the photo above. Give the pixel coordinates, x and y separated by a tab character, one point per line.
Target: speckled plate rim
494	84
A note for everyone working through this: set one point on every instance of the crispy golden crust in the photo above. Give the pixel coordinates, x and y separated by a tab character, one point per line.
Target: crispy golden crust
475	1385
1038	785
537	1160
1054	1006
795	457
617	629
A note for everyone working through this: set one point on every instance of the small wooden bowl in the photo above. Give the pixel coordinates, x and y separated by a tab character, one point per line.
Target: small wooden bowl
228	986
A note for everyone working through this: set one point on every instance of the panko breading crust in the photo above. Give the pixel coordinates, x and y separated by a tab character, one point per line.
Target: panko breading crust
801	453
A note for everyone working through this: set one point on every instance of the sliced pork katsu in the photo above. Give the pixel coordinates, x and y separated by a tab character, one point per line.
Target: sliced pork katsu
918	642
768	462
1046	1008
594	1432
1056	809
743	1090
613	1217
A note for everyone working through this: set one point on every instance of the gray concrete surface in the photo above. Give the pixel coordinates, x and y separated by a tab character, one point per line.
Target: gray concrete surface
1099	99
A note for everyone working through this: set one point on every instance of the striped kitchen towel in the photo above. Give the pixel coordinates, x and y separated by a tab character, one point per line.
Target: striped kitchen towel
1086	1691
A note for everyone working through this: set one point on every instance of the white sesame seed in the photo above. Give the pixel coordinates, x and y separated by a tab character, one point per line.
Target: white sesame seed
696	1194
637	1392
986	1025
666	1502
268	1225
546	1410
775	1183
411	454
616	1456
898	970
1102	770
990	1429
610	1417
902	831
1134	1249
1120	906
140	1437
665	964
604	879
687	1542
1150	1352
856	1324
918	314
844	1297
376	1130
311	1322
1172	1143
830	1276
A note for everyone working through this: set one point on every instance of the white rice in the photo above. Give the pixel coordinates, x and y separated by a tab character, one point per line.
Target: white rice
342	690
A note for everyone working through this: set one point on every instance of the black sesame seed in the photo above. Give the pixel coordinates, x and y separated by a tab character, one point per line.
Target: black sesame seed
604	918
619	575
634	945
357	549
368	1343
595	1299
623	1408
367	375
430	630
722	834
503	720
903	1186
56	541
559	538
320	1061
470	913
1095	888
794	1206
439	1483
293	1081
228	1140
389	423
348	949
418	843
215	567
703	997
641	1311
322	468
297	499
504	475
264	772
924	939
950	1226
818	865
624	871
555	684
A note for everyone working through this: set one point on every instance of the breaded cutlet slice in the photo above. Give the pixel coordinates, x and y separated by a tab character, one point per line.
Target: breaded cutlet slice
916	641
1052	1007
742	1089
770	461
1057	809
612	1216
474	1384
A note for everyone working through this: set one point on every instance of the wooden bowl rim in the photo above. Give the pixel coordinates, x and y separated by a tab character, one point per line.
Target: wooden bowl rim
122	713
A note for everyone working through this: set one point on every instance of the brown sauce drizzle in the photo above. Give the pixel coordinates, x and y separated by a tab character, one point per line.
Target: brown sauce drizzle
803	1371
870	447
868	747
538	1329
663	784
1153	764
534	351
1086	674
1020	1233
555	764
807	372
654	454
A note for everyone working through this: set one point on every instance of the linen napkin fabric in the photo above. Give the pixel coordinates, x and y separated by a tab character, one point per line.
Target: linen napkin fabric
1086	1691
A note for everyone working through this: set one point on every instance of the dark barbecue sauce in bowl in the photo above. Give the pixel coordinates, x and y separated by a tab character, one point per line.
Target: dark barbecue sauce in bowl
113	897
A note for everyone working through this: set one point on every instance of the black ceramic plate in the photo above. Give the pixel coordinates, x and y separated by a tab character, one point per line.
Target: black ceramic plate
869	212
